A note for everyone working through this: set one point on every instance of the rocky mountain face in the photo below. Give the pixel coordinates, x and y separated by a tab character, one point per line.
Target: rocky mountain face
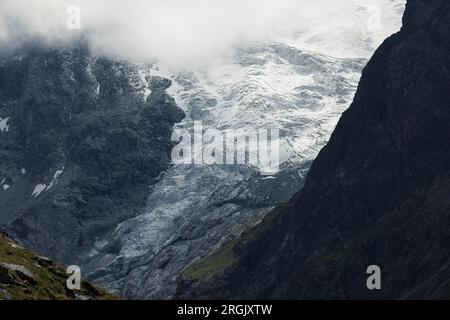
376	195
82	137
27	275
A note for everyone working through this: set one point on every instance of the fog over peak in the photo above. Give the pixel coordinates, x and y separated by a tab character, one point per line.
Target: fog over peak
179	32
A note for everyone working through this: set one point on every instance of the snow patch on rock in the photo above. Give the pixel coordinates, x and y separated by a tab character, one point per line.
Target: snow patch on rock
43	187
38	190
4	126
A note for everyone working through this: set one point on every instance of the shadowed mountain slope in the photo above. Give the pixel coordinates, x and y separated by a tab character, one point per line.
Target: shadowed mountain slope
378	193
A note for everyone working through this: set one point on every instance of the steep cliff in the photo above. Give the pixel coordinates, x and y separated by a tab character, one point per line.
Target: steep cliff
82	138
378	193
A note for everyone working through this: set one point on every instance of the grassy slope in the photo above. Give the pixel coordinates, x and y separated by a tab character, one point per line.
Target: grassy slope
49	277
214	265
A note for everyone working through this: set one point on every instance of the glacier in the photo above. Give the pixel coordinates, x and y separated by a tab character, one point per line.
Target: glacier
300	80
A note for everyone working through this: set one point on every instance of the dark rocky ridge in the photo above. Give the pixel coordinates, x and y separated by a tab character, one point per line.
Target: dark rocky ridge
86	124
378	193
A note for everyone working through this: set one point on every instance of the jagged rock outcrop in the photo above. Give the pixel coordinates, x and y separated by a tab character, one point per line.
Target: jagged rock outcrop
378	193
82	138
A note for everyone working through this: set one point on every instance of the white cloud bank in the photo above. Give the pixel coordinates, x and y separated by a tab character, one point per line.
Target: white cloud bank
185	31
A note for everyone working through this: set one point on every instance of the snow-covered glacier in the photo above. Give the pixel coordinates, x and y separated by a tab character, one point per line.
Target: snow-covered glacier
300	80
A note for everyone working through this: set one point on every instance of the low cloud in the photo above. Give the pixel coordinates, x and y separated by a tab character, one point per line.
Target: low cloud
188	31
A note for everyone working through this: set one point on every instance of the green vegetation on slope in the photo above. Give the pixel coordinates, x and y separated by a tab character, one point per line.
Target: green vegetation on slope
207	268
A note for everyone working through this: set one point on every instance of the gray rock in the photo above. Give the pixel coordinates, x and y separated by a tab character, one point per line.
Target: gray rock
5	276
43	261
22	272
82	297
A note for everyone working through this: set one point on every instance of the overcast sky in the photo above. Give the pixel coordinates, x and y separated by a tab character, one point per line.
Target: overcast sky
184	31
